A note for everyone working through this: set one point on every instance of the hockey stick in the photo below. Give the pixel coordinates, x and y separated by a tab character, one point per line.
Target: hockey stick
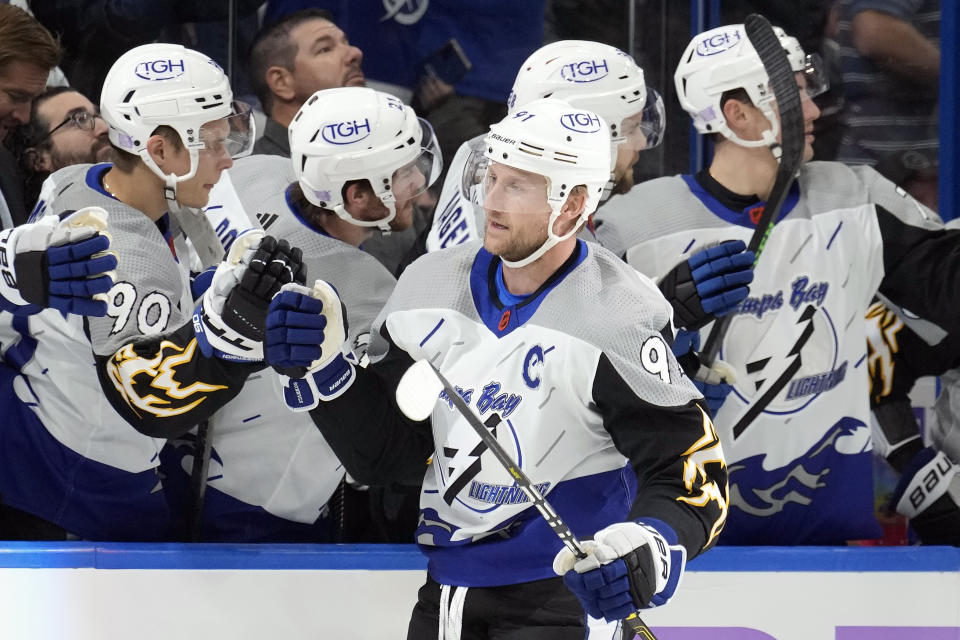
787	94
418	392
198	480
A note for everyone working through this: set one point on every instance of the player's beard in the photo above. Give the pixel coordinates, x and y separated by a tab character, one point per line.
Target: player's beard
521	244
404	218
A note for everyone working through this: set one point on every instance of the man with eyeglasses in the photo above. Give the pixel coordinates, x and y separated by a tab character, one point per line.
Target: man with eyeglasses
65	129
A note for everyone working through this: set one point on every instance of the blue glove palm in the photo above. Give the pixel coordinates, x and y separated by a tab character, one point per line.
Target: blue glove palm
712	283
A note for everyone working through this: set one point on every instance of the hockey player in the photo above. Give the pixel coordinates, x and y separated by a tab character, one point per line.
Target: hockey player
78	464
360	157
570	347
603	79
795	426
588	75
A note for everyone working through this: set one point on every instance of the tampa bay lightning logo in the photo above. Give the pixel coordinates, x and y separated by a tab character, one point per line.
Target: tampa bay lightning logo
405	12
533	366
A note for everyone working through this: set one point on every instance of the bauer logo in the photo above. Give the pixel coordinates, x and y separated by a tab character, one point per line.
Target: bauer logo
163	69
718	43
583	122
346	132
585	71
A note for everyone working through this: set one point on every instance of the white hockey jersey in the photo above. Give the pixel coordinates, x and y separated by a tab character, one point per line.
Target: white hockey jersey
796	426
268	464
593	406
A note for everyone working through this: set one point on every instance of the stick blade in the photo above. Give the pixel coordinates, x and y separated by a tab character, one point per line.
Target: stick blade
418	391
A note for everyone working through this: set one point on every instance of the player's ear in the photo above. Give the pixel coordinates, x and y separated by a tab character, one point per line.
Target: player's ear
358	196
575	203
735	113
571	210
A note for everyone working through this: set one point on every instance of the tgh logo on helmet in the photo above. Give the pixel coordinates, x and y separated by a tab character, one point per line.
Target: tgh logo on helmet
163	69
346	132
580	122
585	71
718	43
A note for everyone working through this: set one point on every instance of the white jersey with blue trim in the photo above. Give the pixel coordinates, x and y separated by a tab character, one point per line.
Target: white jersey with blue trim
796	426
94	474
58	381
264	455
565	370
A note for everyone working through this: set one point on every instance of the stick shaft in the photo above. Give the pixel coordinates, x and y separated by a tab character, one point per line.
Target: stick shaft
523	481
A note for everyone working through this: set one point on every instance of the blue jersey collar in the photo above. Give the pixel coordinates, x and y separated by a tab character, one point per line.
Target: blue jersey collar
736	209
500	310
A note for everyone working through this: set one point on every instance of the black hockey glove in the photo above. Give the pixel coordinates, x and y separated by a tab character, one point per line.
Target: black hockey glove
712	283
231	319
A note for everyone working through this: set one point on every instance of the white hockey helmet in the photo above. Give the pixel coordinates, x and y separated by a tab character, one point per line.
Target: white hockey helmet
355	133
599	78
169	85
567	145
723	59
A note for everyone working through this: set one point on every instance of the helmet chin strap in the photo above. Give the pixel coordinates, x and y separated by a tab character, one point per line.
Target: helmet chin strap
768	137
551	241
383	224
171	180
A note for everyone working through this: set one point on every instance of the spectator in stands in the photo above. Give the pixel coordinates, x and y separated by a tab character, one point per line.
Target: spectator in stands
292	59
27	53
890	59
65	128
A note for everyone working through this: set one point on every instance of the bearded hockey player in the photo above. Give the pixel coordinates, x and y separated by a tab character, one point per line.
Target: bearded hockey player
569	346
359	158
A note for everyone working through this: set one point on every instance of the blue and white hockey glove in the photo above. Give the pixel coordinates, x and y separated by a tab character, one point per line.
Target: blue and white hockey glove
928	494
63	263
712	283
306	344
629	566
231	319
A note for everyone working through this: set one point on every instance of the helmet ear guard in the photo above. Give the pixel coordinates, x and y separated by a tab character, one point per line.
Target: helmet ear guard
356	133
569	147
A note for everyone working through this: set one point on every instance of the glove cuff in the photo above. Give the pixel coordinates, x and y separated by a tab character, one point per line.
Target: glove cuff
925	479
326	382
9	283
680	290
216	339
